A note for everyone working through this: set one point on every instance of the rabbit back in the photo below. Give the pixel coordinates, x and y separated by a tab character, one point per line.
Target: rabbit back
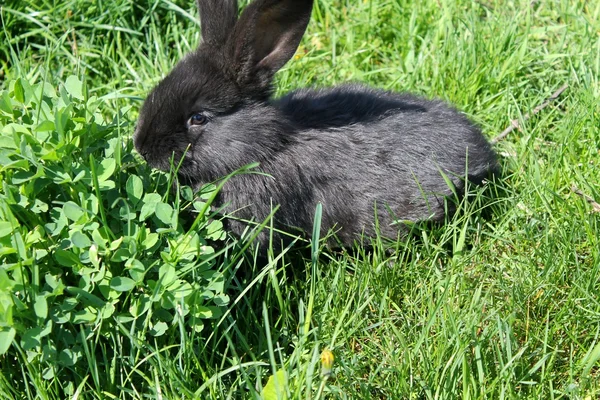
371	157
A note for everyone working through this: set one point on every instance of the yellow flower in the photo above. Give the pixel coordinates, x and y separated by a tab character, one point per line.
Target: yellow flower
326	362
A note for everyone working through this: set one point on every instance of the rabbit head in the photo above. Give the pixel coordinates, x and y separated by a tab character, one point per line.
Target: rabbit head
207	111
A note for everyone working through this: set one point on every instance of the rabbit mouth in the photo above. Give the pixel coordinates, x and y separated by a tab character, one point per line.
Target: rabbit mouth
188	173
168	153
184	166
187	179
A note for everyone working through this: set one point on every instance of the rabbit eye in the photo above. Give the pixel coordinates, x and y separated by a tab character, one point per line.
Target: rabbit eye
197	119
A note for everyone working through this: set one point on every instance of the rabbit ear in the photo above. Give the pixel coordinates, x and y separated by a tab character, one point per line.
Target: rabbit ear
266	36
217	20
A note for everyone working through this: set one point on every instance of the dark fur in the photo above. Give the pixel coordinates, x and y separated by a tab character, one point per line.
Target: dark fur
351	147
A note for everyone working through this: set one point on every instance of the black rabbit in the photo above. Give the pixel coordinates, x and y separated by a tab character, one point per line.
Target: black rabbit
365	154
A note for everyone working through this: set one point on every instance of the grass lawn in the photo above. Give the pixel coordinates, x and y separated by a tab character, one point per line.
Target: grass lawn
108	291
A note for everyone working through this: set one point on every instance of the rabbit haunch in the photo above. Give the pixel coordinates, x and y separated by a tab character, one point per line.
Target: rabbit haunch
363	153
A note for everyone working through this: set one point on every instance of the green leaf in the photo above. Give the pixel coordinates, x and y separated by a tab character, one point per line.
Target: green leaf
214	231
150	240
122	284
591	359
6	103
85	297
98	239
40	306
152	198
66	258
7	142
115	244
134	188
39	207
136	270
80	175
106	169
72	211
61	119
49	90
125	212
48	373
84	316
107	311
33	337
45	126
19	244
159	329
204	312
74	87
7	335
149	207
6	228
6	284
207	191
121	255
140	306
275	387
164	212
221	300
80	240
21	177
19	91
167	274
181	289
187	193
67	358
147	210
93	254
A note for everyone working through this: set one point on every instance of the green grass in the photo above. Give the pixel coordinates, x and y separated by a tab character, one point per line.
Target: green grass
500	302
